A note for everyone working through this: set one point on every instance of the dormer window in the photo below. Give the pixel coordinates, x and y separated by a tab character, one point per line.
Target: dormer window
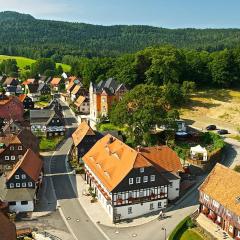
130	181
145	179
141	170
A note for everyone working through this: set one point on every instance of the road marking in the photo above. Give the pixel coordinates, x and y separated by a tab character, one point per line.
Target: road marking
59	174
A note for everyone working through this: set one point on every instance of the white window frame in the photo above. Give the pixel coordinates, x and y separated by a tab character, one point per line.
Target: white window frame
138	180
152	178
30	184
142	170
151	206
206	197
18	185
145	179
20	148
13	158
17	176
24	176
130	181
7	158
159	204
12	148
11	185
24	184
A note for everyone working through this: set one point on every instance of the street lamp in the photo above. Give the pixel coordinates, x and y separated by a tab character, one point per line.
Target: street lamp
165	232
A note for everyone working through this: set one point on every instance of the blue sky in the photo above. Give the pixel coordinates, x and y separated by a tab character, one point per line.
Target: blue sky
163	13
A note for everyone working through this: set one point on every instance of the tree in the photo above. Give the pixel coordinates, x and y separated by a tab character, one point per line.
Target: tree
140	110
42	65
9	67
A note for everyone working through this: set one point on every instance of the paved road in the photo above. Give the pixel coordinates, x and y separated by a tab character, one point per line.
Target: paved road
60	189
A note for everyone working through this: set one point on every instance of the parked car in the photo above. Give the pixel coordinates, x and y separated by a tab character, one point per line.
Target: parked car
222	131
211	127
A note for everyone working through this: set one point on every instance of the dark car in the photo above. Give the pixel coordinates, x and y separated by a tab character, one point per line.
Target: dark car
211	127
222	131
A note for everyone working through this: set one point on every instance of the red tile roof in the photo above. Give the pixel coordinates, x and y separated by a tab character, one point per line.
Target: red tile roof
55	81
7	229
22	97
30	163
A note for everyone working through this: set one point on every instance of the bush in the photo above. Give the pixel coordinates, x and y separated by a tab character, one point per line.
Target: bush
237	168
45	98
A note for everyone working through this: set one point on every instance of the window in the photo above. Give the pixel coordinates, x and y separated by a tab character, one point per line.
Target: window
152	178
12	148
141	194
23	176
58	121
238	234
151	206
16	176
206	197
130	210
12	203
11	185
215	204
19	147
18	185
170	184
145	179
130	181
19	156
219	219
24	184
12	158
231	229
142	170
6	157
30	184
138	180
130	194
159	205
24	202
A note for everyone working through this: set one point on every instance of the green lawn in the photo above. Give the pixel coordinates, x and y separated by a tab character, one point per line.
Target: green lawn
49	144
23	62
190	235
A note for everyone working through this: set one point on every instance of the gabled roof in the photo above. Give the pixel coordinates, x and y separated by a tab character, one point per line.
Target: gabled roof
110	86
10	81
33	88
29	140
55	81
111	160
83	130
76	89
41	116
41	86
79	101
164	158
222	185
29	81
70	86
30	163
7	229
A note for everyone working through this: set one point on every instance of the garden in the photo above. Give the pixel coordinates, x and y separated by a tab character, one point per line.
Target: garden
49	144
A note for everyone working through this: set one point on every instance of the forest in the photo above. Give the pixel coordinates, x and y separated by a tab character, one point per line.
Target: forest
23	35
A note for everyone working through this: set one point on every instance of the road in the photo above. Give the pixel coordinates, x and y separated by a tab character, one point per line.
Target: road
59	190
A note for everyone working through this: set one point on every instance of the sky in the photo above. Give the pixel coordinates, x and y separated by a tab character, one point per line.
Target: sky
161	13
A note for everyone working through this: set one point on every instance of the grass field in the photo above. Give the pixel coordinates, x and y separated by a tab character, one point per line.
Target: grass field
23	62
214	106
190	235
49	144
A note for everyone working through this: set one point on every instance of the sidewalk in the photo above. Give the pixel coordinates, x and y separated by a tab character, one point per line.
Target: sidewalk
97	213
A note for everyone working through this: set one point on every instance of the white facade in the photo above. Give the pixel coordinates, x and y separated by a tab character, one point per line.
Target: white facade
22	206
174	189
136	210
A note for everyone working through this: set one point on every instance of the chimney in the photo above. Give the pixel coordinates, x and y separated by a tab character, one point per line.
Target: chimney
111	140
139	148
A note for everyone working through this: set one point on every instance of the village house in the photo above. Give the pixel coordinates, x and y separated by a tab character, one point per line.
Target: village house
47	122
19	187
77	91
128	182
220	199
102	96
10	81
83	105
55	83
84	139
34	91
26	101
14	127
13	147
11	108
13	90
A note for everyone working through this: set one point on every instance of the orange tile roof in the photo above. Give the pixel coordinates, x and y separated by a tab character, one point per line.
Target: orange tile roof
22	97
28	81
82	130
30	163
164	158
72	78
55	81
222	185
5	100
111	161
70	85
76	89
79	101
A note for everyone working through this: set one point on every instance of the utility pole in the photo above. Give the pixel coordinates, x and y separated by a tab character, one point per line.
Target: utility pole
165	232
